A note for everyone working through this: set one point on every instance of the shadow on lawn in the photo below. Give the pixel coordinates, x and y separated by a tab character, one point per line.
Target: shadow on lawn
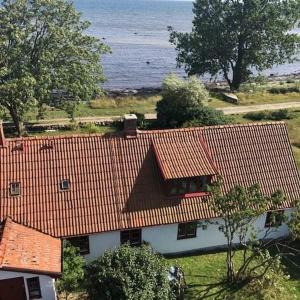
207	291
291	260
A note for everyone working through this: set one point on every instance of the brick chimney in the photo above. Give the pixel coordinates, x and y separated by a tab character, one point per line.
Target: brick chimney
130	125
2	136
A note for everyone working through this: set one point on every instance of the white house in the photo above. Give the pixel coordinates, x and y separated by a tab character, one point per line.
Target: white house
100	191
29	263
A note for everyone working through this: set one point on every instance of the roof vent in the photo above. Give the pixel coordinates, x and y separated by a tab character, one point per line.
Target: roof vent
2	136
130	125
19	146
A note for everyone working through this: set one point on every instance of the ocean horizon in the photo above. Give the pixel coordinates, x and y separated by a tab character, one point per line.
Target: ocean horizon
136	31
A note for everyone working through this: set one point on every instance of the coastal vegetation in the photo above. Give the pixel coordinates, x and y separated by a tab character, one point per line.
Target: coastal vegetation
183	102
46	58
236	38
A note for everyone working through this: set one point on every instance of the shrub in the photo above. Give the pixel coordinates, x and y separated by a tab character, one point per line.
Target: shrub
180	101
284	90
142	123
207	116
73	272
256	116
281	114
277	115
91	128
128	273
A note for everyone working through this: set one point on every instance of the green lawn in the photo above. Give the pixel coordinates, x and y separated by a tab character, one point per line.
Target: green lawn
205	274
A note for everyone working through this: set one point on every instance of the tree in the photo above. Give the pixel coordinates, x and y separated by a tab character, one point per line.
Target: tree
234	38
294	222
73	273
239	209
46	57
128	273
180	101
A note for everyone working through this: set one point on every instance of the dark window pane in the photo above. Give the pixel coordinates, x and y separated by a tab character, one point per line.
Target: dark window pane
191	229
65	184
203	183
15	188
187	230
274	218
81	242
133	237
181	230
194	184
182	186
187	185
34	289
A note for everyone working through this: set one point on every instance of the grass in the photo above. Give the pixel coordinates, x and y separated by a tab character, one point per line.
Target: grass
105	106
108	106
205	273
88	129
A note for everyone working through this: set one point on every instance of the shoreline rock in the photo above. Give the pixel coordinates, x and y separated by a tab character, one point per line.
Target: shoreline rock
148	91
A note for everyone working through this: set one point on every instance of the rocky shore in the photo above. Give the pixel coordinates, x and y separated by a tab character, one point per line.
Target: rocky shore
148	91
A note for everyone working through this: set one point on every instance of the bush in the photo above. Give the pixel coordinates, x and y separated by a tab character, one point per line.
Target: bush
91	128
207	116
256	116
73	272
142	123
180	102
128	273
284	90
281	114
277	115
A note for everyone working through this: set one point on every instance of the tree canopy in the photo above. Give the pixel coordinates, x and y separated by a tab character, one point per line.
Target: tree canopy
46	57
128	273
182	104
237	37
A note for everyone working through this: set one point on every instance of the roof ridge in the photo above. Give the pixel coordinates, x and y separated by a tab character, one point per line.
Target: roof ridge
113	134
251	124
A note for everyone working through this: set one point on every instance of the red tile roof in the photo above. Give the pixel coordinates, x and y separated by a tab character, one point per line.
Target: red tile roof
27	250
179	157
116	182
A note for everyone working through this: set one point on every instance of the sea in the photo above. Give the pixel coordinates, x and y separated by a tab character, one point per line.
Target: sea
136	31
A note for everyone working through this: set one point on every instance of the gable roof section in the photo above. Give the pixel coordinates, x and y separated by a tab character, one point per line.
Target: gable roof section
181	158
116	182
27	250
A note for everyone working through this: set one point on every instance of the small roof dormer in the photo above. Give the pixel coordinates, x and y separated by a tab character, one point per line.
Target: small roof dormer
185	166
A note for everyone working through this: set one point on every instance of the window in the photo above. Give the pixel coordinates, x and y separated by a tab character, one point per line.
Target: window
187	185
133	237
65	184
34	289
274	218
15	189
81	242
187	230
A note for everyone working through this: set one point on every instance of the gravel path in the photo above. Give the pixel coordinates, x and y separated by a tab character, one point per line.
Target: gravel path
227	111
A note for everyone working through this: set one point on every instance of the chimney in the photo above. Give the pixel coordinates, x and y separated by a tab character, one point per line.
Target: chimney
2	136
130	125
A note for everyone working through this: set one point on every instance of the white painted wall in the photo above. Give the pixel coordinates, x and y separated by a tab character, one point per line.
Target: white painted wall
101	242
163	238
46	283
